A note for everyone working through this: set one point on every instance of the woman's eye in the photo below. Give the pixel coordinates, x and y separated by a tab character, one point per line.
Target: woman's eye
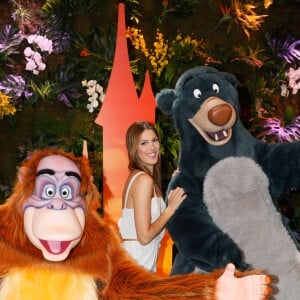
66	192
156	140
48	192
197	93
216	88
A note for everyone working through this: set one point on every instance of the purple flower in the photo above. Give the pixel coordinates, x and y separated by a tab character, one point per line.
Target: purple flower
285	47
67	95
15	86
62	97
10	38
61	40
286	133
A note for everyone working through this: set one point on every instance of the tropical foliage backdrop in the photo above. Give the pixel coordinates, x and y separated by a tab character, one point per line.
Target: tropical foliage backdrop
56	57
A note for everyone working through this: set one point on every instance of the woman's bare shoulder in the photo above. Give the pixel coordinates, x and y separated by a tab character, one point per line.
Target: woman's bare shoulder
143	179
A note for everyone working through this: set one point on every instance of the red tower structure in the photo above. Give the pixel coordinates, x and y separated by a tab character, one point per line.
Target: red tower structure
120	109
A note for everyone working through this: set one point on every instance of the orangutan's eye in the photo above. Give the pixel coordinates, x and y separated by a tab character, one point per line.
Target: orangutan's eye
66	192
48	191
215	88
197	93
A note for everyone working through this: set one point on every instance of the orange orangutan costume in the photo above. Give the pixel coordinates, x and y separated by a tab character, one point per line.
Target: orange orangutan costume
54	245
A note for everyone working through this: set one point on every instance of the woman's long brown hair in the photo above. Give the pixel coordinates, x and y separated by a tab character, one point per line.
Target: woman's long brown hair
133	135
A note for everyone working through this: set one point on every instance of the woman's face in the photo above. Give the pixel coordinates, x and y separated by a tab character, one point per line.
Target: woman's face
148	148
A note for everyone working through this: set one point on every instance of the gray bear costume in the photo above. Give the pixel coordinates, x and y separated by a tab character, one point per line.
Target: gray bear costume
205	110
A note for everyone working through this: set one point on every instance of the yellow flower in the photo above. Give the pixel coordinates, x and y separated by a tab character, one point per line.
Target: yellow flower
179	50
6	108
247	17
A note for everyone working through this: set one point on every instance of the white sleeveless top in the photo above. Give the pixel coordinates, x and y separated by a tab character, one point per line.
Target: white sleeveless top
145	255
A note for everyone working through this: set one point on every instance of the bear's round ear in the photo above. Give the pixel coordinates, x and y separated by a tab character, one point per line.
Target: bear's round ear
230	78
165	99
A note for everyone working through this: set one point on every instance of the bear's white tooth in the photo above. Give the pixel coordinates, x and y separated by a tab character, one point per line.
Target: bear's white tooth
216	137
224	132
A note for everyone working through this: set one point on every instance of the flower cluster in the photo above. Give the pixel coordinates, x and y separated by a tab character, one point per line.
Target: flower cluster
159	55
179	51
284	134
137	40
284	45
95	92
183	47
6	108
294	79
244	15
33	57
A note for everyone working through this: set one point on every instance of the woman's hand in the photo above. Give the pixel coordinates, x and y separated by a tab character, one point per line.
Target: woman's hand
175	198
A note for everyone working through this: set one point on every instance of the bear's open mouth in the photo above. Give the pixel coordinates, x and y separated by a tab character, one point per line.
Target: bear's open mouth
218	135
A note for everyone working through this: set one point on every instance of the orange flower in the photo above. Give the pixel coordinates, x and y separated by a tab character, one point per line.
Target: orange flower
85	52
165	3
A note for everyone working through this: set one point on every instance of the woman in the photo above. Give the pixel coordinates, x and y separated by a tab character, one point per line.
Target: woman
144	213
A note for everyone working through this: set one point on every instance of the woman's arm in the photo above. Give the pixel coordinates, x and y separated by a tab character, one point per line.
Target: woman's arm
142	193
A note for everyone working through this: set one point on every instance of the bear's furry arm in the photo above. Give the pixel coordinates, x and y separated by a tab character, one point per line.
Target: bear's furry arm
281	163
199	239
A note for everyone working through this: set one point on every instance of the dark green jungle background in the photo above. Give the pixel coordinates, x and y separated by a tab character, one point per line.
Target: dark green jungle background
221	37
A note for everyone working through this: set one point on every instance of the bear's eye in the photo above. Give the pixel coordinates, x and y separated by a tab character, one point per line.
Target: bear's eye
197	93
215	88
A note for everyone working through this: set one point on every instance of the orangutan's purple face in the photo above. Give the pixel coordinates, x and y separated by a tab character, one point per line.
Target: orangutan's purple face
54	215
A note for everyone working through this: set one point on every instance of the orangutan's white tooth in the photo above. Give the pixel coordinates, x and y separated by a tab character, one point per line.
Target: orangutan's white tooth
216	137
224	132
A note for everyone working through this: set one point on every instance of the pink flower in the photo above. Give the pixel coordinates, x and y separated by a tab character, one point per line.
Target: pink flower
30	66
41	42
294	79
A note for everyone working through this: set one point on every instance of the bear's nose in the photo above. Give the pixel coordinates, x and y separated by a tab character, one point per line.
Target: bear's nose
220	114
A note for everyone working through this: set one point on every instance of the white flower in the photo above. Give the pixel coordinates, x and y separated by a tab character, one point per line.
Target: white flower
93	97
35	72
92	83
99	88
90	107
95	103
90	90
36	56
45	44
31	65
41	42
28	52
284	90
95	92
294	79
31	38
41	66
101	97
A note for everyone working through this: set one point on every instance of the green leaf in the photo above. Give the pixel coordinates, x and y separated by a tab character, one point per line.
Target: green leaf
289	114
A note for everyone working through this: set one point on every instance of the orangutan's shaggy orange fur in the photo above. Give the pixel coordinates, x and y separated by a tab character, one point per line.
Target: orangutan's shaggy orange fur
99	253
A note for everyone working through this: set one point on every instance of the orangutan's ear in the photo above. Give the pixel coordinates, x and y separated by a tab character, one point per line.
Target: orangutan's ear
92	178
21	174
